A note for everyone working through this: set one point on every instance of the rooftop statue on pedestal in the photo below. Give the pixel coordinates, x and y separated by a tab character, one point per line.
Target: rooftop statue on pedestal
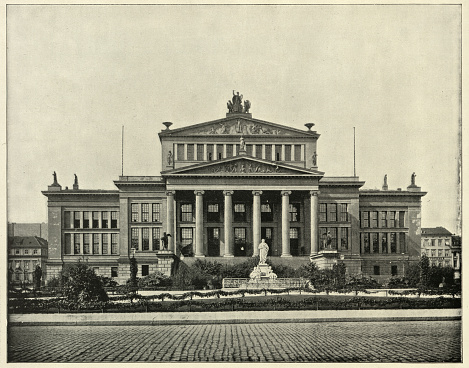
236	104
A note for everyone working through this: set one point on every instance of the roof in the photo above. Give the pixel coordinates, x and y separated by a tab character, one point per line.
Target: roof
435	231
26	242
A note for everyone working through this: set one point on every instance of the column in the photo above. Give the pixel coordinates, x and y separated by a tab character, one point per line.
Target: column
228	223
185	151
256	220
254	150
199	223
205	152
263	152
314	222
282	155
285	223
170	220
224	150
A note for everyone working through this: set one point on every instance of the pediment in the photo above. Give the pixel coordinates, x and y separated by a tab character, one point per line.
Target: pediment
239	124
242	166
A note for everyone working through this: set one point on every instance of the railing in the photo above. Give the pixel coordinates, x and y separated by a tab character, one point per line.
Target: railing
231	283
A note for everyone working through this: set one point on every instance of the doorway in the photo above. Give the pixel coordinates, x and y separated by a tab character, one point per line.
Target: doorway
213	237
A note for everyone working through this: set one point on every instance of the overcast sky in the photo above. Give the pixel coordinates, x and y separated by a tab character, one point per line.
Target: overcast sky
76	74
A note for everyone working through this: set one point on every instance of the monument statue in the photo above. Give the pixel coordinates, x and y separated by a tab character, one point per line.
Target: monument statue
165	240
247	106
327	244
76	179
385	180
315	158
242	144
170	158
237	103
55	178
263	250
412	179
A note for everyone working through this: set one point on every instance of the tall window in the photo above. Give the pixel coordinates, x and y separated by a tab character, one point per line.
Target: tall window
402	242
322	212
155	217
213	213
393	242
104	220
95	243
114	271
384	243
392	219
293	233
76	244
114	243
298	152
86	220
134	216
156	238
114	215
374	219
343	212
384	222
229	150
68	243
266	212
433	243
180	152
278	152
200	152
259	151
401	218
145	212
295	212
288	152
76	220
375	242
332	216
394	270
376	270
239	212
333	231
440	242
145	238
134	238
344	237
366	243
186	212
67	219
86	243
219	151
365	219
190	152
105	241
268	152
95	219
210	152
186	236
145	270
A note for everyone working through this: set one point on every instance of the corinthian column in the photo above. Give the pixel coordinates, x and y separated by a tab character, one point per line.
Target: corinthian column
199	223
256	220
314	222
170	220
228	223
285	223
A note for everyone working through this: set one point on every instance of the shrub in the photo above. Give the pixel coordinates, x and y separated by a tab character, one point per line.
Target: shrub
37	275
108	281
156	279
54	282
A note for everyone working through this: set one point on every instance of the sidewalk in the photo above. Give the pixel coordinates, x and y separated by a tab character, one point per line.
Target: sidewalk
185	318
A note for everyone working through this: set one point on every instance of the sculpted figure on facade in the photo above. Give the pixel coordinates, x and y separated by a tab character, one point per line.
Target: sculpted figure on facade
263	250
242	144
170	158
315	159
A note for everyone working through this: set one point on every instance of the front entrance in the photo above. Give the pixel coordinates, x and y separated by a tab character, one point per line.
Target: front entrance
213	237
294	241
267	234
240	242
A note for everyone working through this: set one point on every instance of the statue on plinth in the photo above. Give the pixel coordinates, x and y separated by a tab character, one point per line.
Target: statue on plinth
242	144
55	177
170	158
165	240
263	250
412	179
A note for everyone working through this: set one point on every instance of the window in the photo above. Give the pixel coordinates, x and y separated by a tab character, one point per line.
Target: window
86	243
343	212
17	264
210	152
186	212
156	238
114	215
17	251
323	232
433	252
393	242
374	219
365	219
332	215
145	238
440	252
433	243
384	243
266	212
393	270
145	212
35	251
95	243
104	221
240	235
440	242
134	238
333	234
95	219
213	213
293	233
220	151
76	244
268	152
297	152
186	236
134	216
295	212
200	152
287	152
113	271
76	220
180	152
384	221
145	270
322	212
67	219
376	270
229	150
259	151
401	218
375	242
86	220
447	253
239	212
366	243
190	152
26	251
402	242
344	237
114	242
105	241
26	265
155	208
392	219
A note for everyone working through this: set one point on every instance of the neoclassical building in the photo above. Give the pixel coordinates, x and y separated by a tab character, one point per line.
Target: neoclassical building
225	185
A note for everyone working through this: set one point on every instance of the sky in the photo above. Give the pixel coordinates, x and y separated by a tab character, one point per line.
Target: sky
77	74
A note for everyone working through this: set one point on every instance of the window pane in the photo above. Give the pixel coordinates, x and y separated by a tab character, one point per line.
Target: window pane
114	219
322	212
366	243
200	152
114	243
393	243
95	243
156	238
67	219
156	212
76	244
105	241
384	222
186	236
95	219
344	212
375	242
190	152
295	212
344	237
86	243
104	221
332	216
186	212
374	219
145	238
134	238
68	244
384	243
86	220
76	221
145	212
135	207
293	233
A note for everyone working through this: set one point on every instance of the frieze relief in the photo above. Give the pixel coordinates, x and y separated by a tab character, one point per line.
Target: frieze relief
245	168
241	127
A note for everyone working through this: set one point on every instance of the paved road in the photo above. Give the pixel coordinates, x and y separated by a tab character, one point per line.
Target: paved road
419	341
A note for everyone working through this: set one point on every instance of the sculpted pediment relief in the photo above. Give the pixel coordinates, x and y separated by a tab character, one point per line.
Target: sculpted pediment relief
241	126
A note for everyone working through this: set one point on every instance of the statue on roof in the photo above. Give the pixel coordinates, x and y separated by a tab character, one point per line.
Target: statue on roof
236	103
385	180
55	177
76	179
412	179
247	106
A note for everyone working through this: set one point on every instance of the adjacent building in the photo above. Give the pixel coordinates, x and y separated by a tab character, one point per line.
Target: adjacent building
437	246
24	254
28	229
225	185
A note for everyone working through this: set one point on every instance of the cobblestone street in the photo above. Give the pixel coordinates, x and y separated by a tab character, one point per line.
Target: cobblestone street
420	341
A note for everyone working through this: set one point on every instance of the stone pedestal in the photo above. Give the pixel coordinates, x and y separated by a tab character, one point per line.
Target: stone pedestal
325	259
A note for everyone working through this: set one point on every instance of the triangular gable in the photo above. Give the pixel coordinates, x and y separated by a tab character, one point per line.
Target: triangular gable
241	166
238	125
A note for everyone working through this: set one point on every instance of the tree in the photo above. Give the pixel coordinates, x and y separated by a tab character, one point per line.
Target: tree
37	275
424	265
133	272
81	285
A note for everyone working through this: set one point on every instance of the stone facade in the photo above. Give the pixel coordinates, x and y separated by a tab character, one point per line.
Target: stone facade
225	185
